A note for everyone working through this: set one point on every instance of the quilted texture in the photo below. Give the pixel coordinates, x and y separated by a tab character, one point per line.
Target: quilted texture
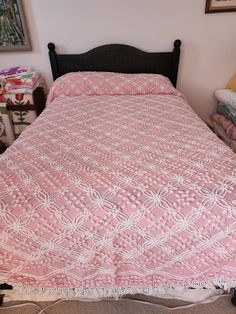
108	83
104	195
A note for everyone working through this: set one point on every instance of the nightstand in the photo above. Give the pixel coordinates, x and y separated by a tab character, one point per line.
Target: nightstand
17	111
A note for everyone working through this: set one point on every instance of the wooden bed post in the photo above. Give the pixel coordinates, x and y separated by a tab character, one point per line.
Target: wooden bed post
53	60
175	61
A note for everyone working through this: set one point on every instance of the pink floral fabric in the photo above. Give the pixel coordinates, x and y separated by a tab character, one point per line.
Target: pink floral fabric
107	195
108	83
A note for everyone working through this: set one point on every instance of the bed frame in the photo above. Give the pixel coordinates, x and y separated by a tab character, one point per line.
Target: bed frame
117	58
114	58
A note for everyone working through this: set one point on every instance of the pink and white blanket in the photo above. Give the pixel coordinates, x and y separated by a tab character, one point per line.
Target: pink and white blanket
105	195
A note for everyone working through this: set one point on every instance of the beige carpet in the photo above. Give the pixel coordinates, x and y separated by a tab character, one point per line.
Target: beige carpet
220	306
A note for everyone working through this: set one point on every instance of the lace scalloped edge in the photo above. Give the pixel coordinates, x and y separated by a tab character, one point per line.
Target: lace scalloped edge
92	293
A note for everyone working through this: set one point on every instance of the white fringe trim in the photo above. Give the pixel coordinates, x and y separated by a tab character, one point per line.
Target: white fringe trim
119	292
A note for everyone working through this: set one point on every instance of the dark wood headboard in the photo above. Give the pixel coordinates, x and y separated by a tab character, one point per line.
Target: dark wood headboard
117	58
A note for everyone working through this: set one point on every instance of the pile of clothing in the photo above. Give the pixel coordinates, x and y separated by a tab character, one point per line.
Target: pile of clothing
223	121
20	80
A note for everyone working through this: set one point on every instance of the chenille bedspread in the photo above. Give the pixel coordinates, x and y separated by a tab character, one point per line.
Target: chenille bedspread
107	195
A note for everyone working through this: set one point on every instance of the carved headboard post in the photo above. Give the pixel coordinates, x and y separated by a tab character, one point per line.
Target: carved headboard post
175	61
53	60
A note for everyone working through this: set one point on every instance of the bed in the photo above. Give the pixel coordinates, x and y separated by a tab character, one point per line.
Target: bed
118	187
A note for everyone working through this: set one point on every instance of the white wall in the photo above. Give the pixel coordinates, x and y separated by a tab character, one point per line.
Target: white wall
209	47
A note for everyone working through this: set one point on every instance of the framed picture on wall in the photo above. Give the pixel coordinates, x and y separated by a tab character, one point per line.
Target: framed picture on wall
214	6
13	31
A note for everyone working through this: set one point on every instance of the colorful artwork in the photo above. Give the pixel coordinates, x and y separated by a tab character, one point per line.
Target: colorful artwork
13	32
213	6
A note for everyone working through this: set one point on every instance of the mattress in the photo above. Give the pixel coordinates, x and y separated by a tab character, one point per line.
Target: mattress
109	195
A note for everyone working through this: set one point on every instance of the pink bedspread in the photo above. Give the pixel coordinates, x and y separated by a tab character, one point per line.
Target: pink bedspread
107	195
